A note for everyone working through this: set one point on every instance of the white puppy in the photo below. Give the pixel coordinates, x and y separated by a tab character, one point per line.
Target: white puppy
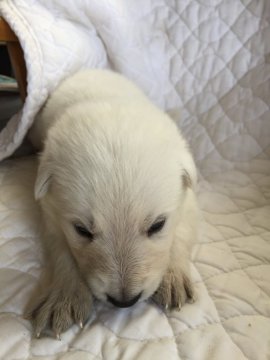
115	184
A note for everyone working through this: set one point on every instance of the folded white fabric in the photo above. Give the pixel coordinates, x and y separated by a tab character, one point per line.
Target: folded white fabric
205	62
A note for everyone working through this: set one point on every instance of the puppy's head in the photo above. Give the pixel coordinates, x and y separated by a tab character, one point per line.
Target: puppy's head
113	185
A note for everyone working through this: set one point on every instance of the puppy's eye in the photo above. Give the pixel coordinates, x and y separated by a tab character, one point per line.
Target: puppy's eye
82	231
156	227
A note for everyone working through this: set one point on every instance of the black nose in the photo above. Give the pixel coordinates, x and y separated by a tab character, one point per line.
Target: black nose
123	304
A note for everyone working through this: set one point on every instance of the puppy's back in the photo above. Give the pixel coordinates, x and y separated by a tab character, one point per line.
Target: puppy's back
94	86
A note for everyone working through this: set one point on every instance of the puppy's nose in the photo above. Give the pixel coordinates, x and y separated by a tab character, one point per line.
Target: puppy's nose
123	304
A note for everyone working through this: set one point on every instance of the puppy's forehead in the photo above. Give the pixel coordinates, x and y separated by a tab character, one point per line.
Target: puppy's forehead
113	168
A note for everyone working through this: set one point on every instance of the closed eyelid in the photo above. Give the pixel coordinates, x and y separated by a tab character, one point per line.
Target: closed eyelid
80	220
150	220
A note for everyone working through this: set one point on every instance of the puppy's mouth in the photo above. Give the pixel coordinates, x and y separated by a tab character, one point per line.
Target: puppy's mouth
124	303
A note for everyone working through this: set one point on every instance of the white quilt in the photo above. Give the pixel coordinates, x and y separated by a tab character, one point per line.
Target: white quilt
206	62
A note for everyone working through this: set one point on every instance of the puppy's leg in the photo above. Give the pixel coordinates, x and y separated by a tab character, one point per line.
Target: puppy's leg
176	287
66	299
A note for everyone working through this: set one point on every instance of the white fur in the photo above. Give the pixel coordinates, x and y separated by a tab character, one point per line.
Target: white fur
114	163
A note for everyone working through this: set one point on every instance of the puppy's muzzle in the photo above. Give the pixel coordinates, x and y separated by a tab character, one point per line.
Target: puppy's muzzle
123	304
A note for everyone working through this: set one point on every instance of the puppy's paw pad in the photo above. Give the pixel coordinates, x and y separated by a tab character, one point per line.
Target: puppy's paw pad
58	309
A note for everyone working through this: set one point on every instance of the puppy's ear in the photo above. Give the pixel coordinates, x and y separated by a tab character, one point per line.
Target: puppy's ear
186	179
189	174
43	180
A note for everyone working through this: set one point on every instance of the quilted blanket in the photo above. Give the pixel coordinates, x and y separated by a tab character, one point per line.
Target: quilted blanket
207	63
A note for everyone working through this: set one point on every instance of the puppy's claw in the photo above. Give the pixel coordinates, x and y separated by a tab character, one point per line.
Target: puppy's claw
166	306
37	335
81	324
57	336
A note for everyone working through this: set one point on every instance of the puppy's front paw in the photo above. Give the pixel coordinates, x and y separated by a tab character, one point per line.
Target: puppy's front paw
174	290
58	308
